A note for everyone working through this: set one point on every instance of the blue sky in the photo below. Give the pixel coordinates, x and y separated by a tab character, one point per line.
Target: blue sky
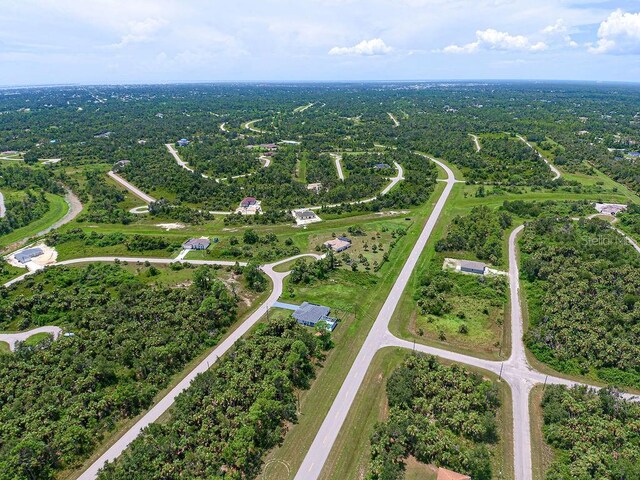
164	41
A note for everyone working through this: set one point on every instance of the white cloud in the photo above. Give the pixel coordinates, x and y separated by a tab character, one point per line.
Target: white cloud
619	33
375	46
559	32
140	32
492	39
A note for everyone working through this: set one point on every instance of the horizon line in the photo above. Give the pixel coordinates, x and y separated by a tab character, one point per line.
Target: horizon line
315	82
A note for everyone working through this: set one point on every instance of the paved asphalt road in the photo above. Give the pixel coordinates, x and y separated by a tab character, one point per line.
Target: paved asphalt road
516	371
75	207
12	338
177	158
394	181
163	405
326	436
136	191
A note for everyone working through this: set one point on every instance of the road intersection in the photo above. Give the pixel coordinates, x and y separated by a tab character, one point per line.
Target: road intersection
516	370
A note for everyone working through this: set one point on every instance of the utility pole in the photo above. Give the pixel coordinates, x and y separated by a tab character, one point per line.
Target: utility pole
501	367
545	383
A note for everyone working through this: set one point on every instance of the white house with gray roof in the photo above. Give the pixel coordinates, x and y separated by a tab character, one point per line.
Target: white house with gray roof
310	314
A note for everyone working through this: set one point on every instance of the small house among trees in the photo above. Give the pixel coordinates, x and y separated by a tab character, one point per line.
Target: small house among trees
196	244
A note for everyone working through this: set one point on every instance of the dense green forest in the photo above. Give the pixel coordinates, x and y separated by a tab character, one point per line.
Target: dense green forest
548	208
593	434
234	412
134	122
103	207
480	232
125	340
441	415
630	220
583	289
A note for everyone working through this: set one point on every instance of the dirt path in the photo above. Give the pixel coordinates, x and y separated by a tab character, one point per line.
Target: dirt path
555	171
395	120
476	140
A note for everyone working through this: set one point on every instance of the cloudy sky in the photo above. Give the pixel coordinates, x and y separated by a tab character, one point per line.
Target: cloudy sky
162	41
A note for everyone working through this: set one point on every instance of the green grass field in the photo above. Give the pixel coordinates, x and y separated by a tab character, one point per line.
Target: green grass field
58	208
350	454
4	347
36	338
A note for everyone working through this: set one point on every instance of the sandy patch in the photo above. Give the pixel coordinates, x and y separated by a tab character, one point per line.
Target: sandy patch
392	212
170	226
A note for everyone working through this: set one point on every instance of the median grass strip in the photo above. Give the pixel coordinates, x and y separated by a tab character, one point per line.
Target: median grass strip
541	454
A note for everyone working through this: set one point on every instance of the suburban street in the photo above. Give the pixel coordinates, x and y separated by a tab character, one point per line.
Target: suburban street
13	338
377	338
175	155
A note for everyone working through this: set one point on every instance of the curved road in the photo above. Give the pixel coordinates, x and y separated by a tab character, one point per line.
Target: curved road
328	432
3	210
185	165
555	171
13	338
165	403
394	181
75	207
249	126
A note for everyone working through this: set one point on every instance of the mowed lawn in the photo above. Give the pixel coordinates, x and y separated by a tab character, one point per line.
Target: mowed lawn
350	455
